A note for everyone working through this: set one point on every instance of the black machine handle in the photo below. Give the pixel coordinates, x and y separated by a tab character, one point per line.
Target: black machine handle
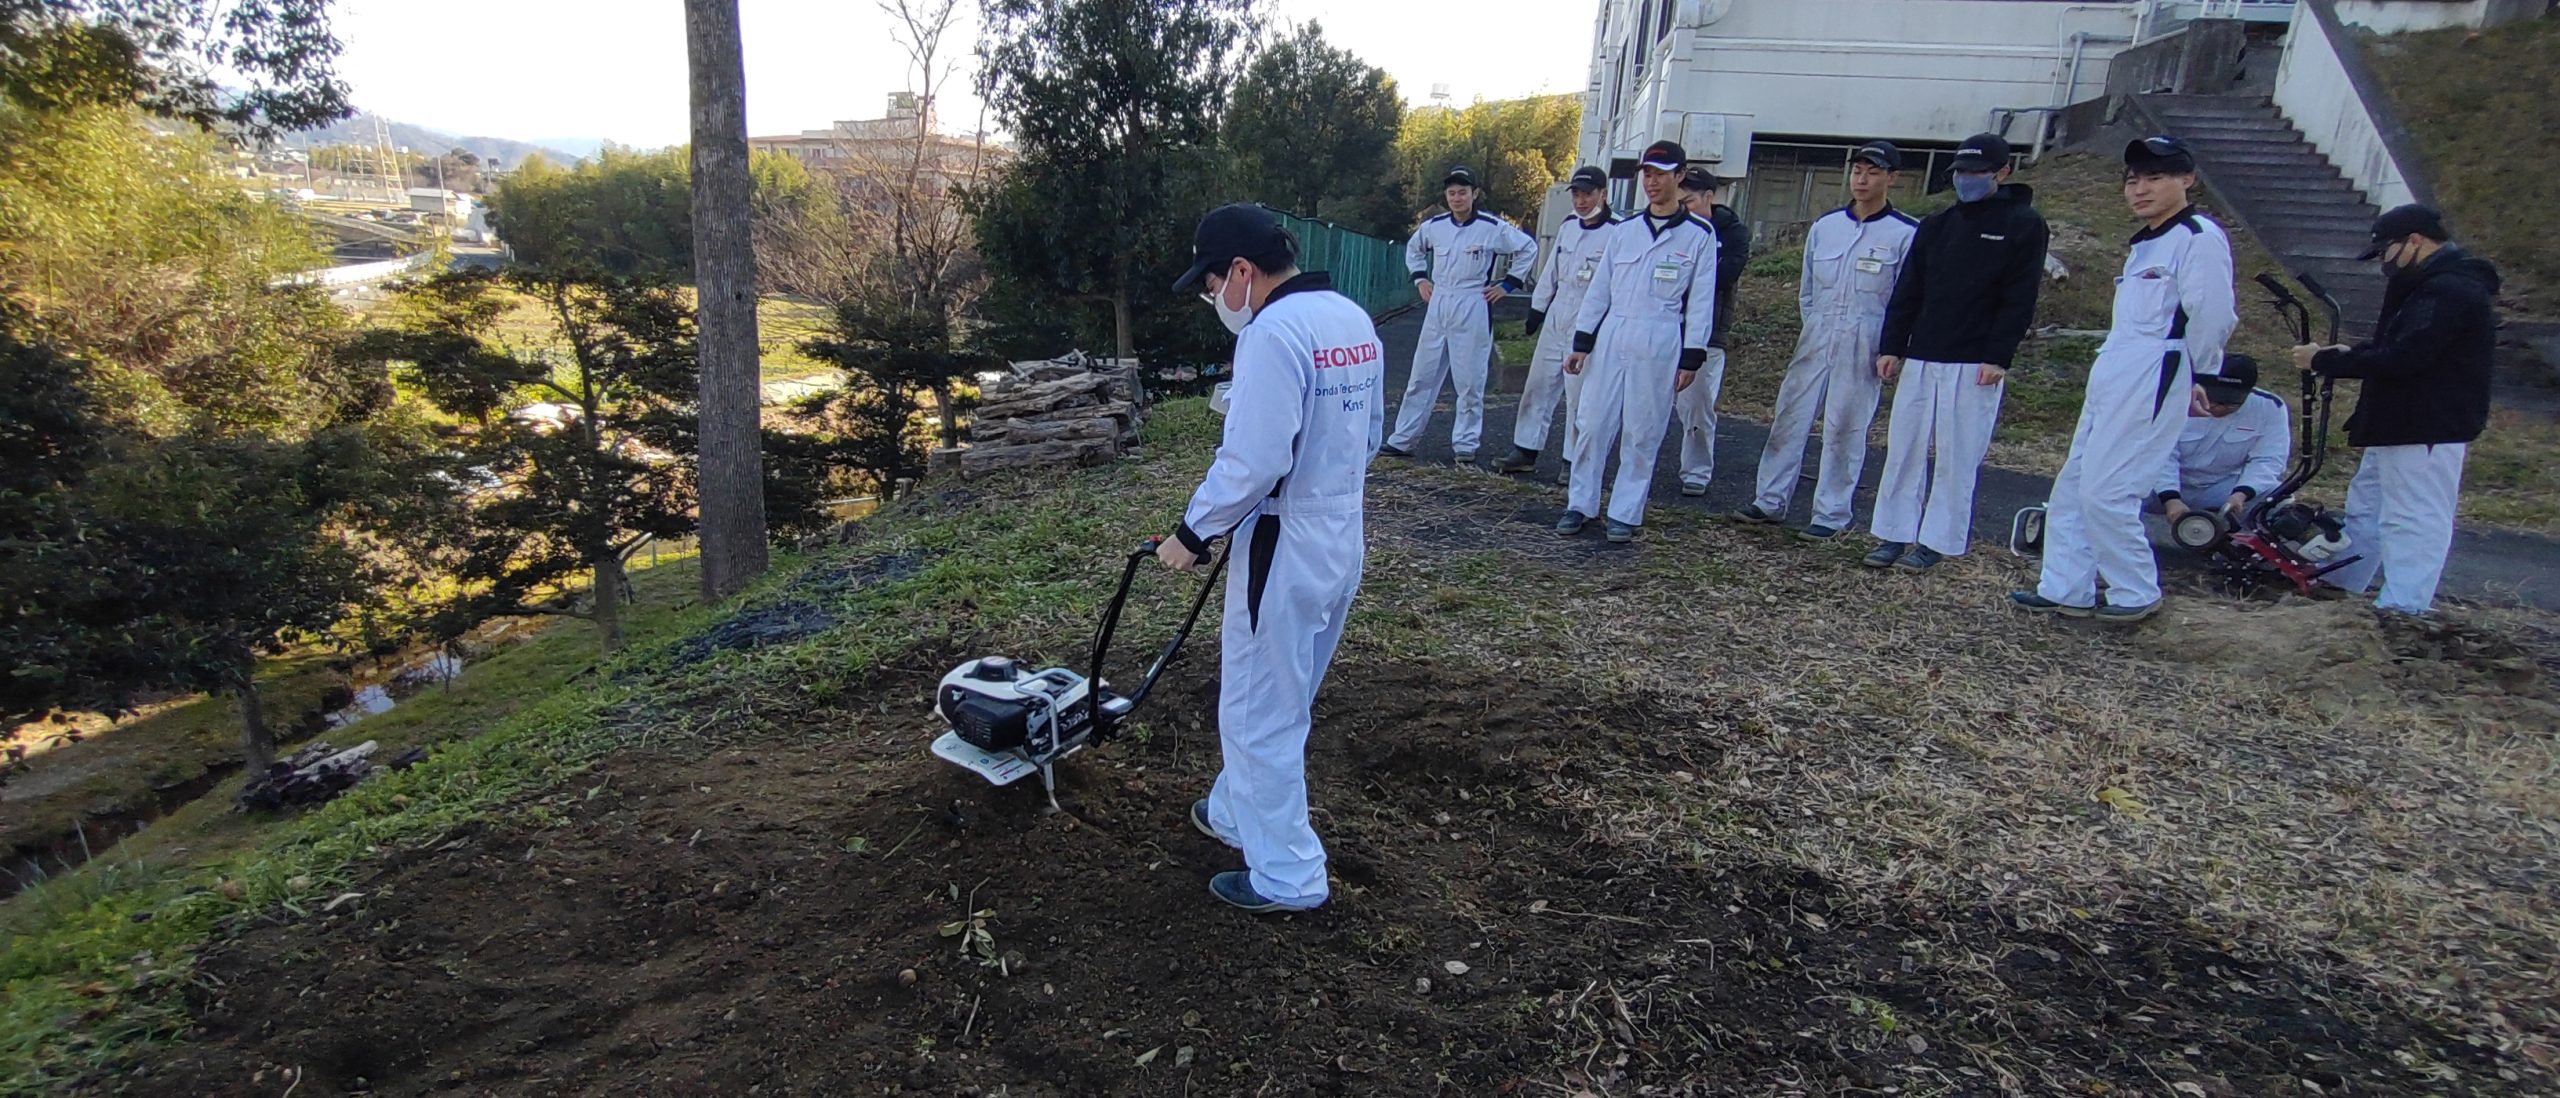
2318	391
1120	598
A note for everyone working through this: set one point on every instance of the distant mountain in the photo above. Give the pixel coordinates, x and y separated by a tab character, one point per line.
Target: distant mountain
424	140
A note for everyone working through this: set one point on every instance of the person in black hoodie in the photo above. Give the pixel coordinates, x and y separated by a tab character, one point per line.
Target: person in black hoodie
1959	309
2426	396
1696	405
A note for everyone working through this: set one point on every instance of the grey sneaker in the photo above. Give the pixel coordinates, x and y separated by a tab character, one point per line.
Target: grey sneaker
1885	554
1692	488
1521	460
2034	603
1818	532
2128	614
1387	451
1751	513
1921	558
1572	523
1620	532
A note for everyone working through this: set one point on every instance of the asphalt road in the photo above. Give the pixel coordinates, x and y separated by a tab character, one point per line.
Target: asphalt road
2490	566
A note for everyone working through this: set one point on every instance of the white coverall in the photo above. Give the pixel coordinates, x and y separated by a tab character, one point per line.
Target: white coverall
1572	265
1457	329
2218	455
2173	310
2399	520
1849	268
1936	406
1653	306
1303	422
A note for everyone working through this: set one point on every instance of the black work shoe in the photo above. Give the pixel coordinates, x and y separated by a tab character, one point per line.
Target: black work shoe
1818	532
1386	451
2128	615
1468	458
1885	554
1751	513
1620	532
1693	488
2034	603
1572	523
1921	558
1522	460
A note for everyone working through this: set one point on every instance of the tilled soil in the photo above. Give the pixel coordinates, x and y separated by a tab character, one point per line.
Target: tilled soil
777	921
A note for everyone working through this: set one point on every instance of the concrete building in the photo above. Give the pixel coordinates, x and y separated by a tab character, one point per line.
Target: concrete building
1778	92
871	145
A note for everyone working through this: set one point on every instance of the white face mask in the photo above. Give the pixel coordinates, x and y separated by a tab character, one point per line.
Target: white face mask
1234	319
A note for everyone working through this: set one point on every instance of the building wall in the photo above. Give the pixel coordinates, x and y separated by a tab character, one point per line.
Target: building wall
2395	16
2315	91
1910	70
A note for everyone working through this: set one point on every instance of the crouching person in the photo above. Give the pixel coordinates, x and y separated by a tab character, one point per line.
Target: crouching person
2234	448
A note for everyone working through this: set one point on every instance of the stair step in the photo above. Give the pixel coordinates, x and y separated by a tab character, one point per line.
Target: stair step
2300	158
2223	129
2277	186
2167	106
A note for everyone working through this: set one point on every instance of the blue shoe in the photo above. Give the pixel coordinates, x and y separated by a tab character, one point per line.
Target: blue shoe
1200	819
1620	532
2034	603
1818	532
2127	615
1885	554
1572	523
1921	558
1235	886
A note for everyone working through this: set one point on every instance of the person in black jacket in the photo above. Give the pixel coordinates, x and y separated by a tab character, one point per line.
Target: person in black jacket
1696	404
2426	396
1959	309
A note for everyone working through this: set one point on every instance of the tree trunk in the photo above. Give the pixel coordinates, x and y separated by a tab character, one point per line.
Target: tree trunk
942	410
257	741
731	473
608	593
1120	322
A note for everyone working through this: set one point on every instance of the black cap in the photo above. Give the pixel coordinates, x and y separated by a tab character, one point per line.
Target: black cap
2160	153
1588	178
1882	154
2239	375
2400	221
1665	155
1229	232
1982	152
1700	178
1458	176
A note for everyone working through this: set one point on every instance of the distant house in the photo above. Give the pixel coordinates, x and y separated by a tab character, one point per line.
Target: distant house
874	146
454	208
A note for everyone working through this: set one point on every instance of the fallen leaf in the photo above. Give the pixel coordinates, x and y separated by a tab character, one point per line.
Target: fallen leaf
1149	1057
1537	907
2196	1089
2125	802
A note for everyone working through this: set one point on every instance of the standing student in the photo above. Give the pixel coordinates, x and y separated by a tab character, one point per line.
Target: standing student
1453	259
2173	311
1696	405
1302	422
1851	257
2426	396
1572	265
1642	335
1958	312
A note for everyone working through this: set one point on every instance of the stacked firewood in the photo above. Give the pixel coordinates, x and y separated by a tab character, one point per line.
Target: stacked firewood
1066	411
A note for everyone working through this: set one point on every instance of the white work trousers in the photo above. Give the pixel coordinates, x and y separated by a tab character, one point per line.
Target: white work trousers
1626	405
1285	606
1456	345
1846	390
1547	385
1939	413
2135	407
1696	407
2400	521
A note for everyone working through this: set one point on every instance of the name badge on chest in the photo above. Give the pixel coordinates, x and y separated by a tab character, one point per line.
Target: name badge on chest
1666	272
1872	262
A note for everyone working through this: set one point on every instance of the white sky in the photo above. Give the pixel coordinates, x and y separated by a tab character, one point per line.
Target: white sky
535	69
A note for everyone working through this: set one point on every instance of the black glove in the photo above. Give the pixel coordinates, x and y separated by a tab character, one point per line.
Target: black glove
1537	320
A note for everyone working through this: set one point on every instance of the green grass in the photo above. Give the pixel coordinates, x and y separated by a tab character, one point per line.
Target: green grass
2485	110
781	323
90	960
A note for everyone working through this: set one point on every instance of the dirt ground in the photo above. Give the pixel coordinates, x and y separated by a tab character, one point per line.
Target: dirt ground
1793	853
713	928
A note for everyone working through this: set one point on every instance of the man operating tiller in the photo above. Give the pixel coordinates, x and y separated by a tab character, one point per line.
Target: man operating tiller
1303	421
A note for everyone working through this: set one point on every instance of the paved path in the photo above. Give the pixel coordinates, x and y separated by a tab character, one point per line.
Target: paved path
2492	566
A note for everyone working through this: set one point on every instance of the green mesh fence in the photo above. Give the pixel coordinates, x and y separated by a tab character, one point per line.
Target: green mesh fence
1364	268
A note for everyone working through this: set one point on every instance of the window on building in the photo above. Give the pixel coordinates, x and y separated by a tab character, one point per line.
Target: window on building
1644	18
1663	29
